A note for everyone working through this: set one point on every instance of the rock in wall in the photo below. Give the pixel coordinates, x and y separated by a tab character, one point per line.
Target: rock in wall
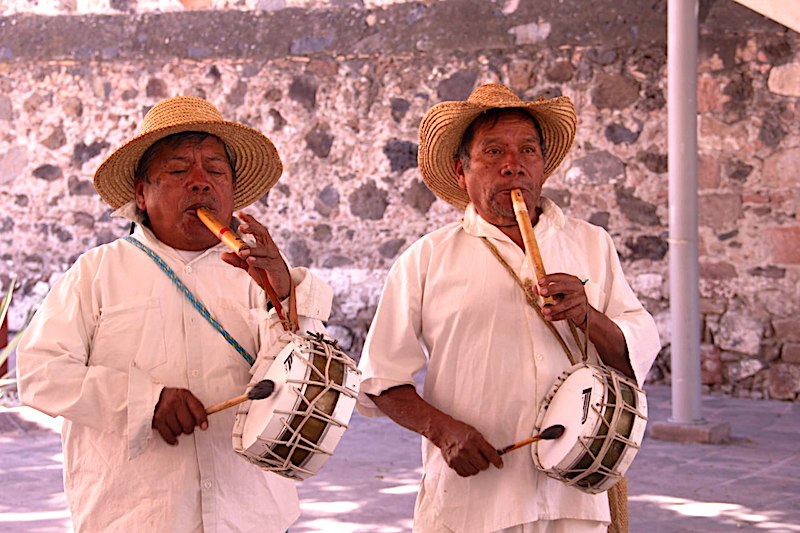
340	87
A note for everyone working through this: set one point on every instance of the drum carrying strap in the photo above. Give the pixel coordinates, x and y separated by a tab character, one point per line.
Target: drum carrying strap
529	297
202	309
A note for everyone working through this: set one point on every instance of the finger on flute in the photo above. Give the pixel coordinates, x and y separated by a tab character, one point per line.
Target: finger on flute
529	238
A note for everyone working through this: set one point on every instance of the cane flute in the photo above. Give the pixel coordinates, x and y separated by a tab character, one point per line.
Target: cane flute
529	238
223	232
237	245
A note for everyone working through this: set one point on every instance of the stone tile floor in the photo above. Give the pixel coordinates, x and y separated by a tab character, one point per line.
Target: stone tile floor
749	484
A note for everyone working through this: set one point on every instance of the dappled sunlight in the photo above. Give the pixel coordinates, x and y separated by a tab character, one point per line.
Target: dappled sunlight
329	507
35	417
732	513
401	489
57	465
35	516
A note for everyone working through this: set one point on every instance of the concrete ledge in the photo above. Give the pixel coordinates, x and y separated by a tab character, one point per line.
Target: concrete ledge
701	432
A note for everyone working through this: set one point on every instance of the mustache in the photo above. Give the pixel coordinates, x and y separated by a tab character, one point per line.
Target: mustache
508	187
193	203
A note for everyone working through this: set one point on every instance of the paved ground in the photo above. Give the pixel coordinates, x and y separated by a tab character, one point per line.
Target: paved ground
750	484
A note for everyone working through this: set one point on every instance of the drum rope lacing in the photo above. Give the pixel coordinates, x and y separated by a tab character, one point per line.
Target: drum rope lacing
530	298
612	385
280	453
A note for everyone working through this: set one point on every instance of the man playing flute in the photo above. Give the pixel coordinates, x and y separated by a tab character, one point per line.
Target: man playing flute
130	362
456	304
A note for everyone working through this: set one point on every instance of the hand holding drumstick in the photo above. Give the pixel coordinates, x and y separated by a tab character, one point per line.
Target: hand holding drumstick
550	433
178	411
261	390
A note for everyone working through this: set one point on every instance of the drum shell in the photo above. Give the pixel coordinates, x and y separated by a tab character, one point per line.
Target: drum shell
601	438
295	431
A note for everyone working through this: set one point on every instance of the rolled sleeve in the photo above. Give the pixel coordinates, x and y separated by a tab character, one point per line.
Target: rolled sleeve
392	353
143	395
641	338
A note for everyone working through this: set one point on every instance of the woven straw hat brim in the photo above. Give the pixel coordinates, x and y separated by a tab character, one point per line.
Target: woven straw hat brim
257	163
444	124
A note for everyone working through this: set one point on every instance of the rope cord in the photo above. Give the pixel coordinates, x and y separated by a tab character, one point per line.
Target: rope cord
530	298
202	309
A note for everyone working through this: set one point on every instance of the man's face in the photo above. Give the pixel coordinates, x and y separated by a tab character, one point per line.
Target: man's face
503	156
179	180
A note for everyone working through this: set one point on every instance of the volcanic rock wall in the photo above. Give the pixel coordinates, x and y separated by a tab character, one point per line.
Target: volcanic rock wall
340	87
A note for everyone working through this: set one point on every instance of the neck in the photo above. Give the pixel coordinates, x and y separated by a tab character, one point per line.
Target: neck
513	232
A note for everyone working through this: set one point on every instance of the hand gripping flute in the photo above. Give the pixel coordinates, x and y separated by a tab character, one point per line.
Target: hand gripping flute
237	245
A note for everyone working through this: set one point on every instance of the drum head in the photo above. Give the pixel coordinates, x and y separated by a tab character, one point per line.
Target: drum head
571	406
260	419
295	430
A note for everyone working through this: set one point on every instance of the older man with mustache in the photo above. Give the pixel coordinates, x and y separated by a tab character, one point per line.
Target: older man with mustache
130	362
460	304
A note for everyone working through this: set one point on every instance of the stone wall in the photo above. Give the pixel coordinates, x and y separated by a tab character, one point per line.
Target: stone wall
340	87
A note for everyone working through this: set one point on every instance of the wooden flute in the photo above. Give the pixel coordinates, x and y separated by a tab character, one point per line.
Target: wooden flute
223	232
528	238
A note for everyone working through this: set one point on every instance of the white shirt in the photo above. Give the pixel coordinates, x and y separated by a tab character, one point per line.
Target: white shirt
491	360
112	333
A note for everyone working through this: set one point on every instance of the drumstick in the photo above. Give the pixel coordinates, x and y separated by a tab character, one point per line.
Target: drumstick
553	432
528	238
262	389
223	232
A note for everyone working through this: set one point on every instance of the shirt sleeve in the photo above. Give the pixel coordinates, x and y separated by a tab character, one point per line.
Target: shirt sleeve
314	298
393	352
55	349
627	312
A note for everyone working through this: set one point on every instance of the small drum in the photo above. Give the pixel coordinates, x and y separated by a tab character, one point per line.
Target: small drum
604	415
294	431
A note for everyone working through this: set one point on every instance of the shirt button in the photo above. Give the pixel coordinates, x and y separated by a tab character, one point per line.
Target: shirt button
539	357
206	484
195	373
188	270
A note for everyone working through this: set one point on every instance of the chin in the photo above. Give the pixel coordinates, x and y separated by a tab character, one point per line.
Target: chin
502	209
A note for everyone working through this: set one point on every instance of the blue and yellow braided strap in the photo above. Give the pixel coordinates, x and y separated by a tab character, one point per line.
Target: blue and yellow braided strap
202	309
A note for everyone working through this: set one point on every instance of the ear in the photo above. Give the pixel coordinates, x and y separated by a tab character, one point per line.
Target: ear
458	166
139	189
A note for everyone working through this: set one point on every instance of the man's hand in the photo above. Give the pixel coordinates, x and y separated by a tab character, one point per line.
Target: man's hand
262	260
569	297
178	411
464	449
572	304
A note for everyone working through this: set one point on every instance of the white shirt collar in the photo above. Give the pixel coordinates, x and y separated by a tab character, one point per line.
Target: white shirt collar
134	214
551	217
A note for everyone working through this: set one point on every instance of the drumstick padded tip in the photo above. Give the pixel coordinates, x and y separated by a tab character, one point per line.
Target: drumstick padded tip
550	433
261	390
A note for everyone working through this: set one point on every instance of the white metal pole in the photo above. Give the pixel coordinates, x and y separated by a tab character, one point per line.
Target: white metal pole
682	29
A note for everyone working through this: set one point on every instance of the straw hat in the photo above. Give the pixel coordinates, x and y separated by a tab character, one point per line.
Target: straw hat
257	163
444	124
